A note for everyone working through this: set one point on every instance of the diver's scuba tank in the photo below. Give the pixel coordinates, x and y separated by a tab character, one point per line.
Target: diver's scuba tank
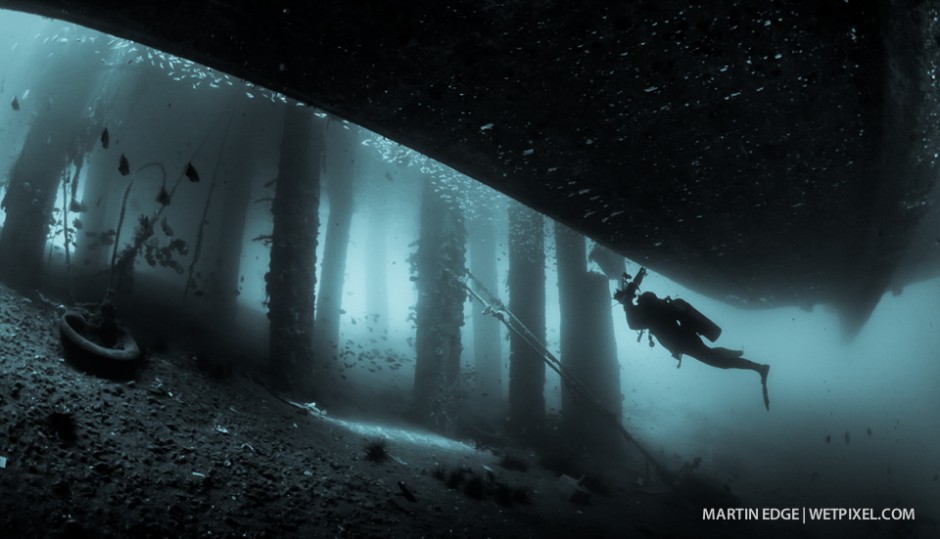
690	317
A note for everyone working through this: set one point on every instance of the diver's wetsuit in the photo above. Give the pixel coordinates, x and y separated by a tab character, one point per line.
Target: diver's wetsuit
662	320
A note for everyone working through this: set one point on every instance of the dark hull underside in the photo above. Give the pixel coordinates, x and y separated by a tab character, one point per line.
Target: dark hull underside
769	155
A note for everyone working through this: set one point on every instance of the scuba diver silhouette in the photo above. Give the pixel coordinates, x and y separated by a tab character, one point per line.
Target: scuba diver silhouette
679	327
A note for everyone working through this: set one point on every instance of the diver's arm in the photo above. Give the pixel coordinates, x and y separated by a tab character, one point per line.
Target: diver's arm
632	317
635	318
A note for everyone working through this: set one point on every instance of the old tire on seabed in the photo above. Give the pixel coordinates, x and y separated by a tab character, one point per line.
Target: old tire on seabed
121	361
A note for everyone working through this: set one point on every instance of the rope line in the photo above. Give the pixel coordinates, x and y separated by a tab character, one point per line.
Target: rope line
497	309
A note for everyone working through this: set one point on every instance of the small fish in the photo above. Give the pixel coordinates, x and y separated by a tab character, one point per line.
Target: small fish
15	104
388	176
124	167
869	431
847	437
191	173
828	438
105	139
166	227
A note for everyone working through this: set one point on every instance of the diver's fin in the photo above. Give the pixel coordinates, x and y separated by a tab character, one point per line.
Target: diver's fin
764	370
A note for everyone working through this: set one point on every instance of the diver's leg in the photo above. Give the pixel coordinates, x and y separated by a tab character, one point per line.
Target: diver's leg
728	351
723	358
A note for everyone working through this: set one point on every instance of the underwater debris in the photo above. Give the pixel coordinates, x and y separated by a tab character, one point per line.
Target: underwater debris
105	139
191	173
15	104
124	167
407	492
